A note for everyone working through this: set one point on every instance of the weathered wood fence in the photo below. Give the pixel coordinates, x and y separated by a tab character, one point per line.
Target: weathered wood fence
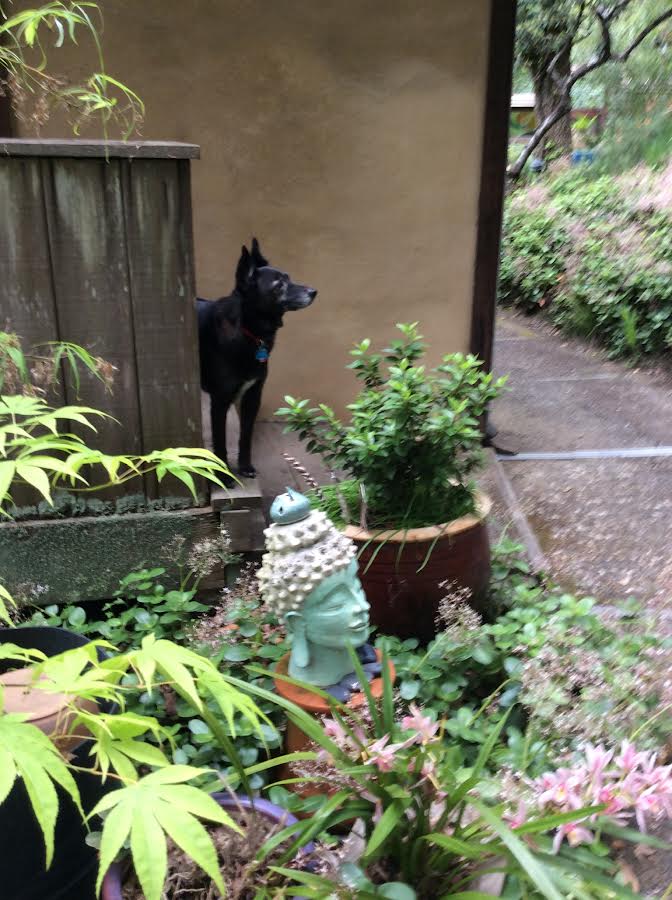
96	248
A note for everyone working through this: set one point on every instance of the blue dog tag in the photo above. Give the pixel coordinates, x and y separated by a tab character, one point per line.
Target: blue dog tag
262	354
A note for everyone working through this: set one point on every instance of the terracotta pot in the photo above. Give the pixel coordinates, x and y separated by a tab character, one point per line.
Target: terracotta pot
295	739
22	872
401	571
114	878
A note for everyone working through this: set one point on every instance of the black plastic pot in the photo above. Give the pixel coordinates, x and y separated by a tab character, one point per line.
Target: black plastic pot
72	873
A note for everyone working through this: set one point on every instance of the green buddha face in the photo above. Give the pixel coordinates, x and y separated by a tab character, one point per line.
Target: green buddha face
336	613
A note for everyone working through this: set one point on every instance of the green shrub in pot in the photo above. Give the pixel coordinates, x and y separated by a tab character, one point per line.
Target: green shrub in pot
413	440
408	456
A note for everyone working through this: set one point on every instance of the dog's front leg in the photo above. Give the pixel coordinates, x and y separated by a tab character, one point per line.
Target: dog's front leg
219	407
249	407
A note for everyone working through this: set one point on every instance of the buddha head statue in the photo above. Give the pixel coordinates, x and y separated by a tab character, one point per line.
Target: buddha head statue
308	576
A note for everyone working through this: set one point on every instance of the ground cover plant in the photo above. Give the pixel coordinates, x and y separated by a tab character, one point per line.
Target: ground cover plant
559	671
426	826
597	251
517	702
234	633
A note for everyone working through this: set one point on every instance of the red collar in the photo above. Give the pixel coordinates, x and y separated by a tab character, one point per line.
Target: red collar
253	337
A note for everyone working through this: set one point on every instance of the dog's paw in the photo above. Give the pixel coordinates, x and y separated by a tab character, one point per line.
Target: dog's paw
228	481
247	471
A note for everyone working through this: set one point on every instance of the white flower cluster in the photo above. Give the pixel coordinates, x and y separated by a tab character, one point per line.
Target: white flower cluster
298	557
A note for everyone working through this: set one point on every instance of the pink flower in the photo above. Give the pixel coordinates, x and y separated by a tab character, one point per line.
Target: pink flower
519	817
381	755
334	730
630	759
425	727
611	800
561	788
650	802
598	759
576	834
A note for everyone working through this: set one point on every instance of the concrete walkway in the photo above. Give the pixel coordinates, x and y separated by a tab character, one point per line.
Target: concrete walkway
604	524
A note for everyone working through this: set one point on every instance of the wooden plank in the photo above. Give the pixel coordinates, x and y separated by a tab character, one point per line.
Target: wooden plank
76	147
26	292
157	208
25	271
493	176
91	286
6	111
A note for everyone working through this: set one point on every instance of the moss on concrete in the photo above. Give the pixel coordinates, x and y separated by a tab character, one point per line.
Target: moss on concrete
83	558
69	505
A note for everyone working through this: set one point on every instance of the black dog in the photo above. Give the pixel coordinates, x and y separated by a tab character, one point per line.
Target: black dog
236	334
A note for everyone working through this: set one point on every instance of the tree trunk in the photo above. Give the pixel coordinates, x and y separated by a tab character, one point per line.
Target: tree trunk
548	98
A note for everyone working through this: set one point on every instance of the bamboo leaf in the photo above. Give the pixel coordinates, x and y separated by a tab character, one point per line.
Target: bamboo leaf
36	478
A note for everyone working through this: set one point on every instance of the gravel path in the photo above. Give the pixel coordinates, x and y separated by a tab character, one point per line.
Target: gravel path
605	524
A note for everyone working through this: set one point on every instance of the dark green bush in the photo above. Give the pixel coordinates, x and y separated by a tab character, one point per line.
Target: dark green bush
533	258
588	244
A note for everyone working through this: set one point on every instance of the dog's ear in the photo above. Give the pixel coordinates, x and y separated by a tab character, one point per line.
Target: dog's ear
257	255
245	268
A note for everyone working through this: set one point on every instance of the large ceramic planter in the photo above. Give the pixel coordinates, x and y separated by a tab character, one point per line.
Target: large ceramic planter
114	879
401	571
22	860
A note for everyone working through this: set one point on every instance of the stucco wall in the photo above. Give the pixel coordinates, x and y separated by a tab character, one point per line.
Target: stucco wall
346	135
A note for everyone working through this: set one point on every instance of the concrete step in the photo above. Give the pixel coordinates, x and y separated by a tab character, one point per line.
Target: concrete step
246	495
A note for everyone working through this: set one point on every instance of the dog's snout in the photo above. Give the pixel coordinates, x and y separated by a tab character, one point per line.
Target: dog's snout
312	293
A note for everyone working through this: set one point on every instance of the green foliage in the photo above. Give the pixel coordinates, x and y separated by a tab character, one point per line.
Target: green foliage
238	633
23	55
35	449
548	661
149	807
533	258
157	806
576	194
341	502
638	127
28	754
427	820
413	438
37	370
588	243
542	27
622	299
143	606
